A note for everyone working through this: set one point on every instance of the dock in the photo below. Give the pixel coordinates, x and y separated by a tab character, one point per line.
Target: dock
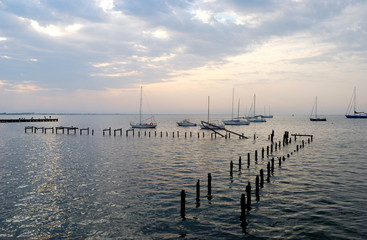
29	120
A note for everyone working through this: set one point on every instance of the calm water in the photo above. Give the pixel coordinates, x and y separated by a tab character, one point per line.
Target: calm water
108	187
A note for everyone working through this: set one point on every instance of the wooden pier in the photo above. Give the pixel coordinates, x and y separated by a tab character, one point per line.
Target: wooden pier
29	120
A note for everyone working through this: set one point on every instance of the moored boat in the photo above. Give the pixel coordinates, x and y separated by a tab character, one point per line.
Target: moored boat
355	113
143	123
316	118
186	123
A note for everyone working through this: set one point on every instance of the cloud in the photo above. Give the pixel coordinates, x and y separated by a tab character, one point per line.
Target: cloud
114	44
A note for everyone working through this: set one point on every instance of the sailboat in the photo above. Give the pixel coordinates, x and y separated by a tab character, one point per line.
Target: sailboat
267	116
216	125
355	113
236	121
255	118
142	123
315	117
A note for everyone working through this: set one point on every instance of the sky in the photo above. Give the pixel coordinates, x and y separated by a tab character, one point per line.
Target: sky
93	56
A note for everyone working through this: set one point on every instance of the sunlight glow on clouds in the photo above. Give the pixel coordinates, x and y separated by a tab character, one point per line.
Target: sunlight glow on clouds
51	29
202	15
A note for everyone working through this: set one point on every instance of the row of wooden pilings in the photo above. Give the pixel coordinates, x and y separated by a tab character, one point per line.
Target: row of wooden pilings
245	198
119	132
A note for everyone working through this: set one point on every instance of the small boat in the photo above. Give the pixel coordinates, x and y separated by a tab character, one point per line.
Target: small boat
258	118
236	121
143	123
254	117
214	125
267	116
186	123
315	118
355	113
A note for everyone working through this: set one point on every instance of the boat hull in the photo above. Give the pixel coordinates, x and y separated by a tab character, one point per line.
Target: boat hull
356	116
143	125
236	122
317	119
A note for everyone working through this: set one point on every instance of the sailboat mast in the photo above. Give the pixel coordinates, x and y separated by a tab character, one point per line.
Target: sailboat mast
208	107
141	100
355	94
232	102
238	111
254	103
316	108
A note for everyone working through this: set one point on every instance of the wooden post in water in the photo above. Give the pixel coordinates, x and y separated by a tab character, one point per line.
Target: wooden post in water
255	156
198	191
257	189
248	160
261	178
280	161
239	163
272	166
231	169
183	196
267	150
248	191
268	168
271	149
280	145
262	152
209	185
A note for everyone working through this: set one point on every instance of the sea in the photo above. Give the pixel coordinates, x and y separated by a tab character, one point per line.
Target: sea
118	186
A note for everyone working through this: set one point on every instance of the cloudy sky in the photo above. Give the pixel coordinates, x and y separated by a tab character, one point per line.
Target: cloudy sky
82	56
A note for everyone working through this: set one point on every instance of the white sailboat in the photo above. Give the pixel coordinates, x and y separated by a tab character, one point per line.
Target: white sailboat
355	114
216	125
315	117
267	116
142	123
236	121
186	123
254	117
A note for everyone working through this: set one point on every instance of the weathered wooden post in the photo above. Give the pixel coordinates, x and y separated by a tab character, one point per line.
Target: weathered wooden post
280	161
262	152
255	156
209	185
239	163
231	169
248	191
267	150
268	168
248	160
280	145
257	189
271	148
198	191
183	196
272	166
261	178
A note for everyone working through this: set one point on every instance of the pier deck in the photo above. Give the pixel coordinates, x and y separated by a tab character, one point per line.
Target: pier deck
29	120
